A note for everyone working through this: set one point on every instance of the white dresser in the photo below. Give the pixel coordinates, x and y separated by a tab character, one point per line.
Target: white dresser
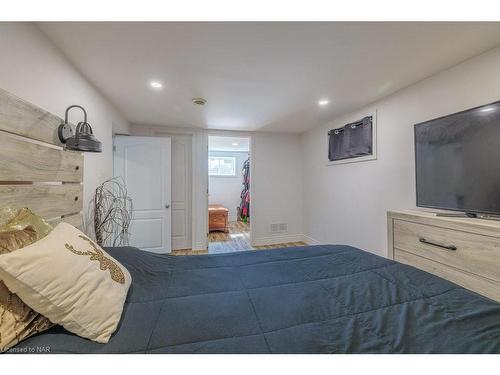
462	250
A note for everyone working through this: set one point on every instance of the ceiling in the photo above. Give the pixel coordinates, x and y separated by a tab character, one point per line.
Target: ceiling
260	76
217	143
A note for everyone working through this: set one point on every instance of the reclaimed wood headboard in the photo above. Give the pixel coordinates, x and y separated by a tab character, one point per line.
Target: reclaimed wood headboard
35	171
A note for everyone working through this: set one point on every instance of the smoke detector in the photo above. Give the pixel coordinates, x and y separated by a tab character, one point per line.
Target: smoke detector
199	101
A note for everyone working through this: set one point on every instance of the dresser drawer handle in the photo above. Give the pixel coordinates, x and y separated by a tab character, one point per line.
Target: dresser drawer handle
447	247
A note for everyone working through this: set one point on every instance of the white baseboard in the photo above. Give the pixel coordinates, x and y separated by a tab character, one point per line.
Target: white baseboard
310	241
199	246
273	240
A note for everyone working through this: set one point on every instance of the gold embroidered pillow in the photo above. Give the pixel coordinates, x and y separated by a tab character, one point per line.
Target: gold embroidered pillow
70	280
6	214
17	320
15	239
24	218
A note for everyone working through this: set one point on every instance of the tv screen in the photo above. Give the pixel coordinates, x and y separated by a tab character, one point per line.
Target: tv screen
458	161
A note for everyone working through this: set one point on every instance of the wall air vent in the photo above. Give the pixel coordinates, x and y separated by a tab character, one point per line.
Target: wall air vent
278	227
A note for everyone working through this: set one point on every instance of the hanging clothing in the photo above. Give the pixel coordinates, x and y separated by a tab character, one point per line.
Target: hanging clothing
244	208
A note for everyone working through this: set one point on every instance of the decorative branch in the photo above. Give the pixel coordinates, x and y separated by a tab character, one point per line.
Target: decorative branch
112	212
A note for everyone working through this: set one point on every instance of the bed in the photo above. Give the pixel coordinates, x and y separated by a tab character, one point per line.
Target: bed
315	299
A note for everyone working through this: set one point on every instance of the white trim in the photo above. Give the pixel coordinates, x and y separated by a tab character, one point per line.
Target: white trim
352	160
310	241
373	156
273	240
199	246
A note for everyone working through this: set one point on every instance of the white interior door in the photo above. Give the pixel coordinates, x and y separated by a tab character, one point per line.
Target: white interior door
181	191
144	163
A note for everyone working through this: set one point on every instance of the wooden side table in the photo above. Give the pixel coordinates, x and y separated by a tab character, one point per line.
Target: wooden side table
218	218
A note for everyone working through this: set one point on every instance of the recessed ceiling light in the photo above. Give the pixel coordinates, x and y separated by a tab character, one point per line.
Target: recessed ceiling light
156	84
323	101
235	144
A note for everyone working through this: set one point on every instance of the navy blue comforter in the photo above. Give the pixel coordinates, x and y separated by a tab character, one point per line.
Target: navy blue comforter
317	299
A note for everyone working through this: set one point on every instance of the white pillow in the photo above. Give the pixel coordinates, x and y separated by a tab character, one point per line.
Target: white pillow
70	280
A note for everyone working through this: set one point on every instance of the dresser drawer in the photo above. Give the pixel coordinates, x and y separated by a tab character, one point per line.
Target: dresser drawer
479	284
218	220
474	253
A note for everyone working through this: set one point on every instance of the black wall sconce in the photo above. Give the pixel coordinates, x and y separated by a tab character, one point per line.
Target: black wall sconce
83	139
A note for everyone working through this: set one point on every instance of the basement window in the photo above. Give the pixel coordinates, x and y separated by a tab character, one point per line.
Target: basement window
355	141
223	166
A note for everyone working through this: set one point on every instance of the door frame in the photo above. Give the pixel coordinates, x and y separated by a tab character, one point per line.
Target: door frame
232	134
171	135
189	187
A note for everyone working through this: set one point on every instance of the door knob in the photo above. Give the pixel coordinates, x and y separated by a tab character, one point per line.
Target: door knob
167	206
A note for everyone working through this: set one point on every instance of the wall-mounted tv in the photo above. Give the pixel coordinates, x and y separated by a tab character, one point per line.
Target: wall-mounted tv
458	161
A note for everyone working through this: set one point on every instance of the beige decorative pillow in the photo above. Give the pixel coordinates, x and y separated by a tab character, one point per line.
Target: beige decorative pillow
24	218
70	280
17	320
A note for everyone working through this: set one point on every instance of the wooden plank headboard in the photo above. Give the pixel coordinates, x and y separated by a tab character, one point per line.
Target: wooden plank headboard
35	171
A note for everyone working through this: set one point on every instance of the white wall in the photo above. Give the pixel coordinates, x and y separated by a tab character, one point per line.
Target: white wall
226	190
277	186
34	70
347	203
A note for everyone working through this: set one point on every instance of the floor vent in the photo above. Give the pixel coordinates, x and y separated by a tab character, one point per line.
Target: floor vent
278	228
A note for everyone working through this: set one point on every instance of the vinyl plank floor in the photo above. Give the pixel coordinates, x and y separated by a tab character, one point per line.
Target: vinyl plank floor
238	239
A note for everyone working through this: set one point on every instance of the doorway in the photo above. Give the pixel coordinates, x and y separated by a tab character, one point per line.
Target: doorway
229	181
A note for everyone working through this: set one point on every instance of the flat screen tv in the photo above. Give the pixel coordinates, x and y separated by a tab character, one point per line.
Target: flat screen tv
457	161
